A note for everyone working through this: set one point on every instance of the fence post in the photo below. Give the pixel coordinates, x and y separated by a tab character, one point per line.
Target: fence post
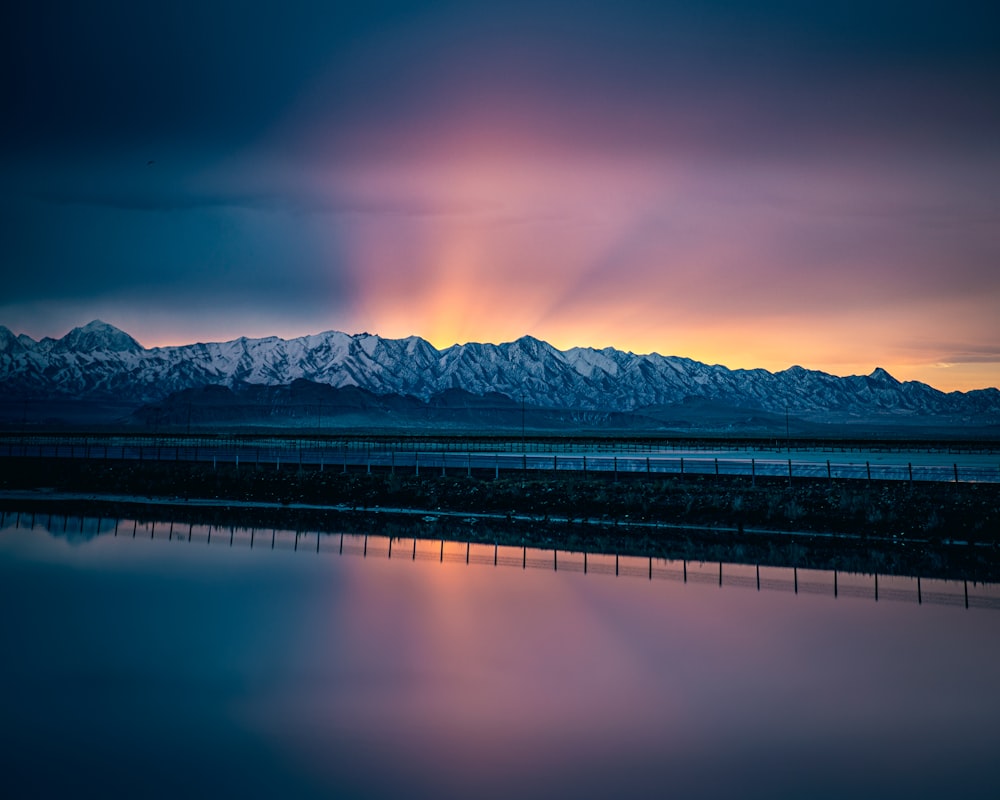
753	472
789	472
956	473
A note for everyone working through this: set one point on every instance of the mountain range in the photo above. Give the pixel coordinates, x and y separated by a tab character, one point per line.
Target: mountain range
98	363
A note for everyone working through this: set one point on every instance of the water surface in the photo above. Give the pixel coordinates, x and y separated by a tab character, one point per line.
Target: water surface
155	666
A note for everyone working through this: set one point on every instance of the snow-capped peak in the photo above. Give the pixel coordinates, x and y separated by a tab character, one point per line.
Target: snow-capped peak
98	336
527	368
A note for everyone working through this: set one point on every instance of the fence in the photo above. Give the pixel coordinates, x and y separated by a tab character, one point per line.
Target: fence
445	458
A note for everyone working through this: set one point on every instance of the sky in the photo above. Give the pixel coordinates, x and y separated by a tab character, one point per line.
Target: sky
749	184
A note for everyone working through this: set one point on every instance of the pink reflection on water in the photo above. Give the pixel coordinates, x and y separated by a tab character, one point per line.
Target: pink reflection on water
463	677
357	674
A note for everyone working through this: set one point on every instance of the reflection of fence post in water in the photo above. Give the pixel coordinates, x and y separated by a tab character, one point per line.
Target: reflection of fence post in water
871	586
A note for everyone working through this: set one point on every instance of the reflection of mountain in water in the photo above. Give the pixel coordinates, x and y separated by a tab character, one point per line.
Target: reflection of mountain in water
640	551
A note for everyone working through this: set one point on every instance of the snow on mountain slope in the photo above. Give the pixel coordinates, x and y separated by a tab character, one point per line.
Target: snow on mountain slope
101	361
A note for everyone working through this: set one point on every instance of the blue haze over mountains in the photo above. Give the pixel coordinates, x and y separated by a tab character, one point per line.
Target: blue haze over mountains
407	382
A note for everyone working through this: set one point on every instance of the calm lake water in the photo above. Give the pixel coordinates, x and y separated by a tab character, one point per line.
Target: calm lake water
186	663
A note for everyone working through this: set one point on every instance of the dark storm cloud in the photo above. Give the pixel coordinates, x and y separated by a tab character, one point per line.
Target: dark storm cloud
299	202
735	79
162	255
759	75
98	74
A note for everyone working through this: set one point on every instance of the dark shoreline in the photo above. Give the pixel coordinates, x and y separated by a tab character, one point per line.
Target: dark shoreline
948	531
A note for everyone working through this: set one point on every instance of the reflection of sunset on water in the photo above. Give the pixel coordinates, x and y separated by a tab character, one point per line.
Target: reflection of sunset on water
370	666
